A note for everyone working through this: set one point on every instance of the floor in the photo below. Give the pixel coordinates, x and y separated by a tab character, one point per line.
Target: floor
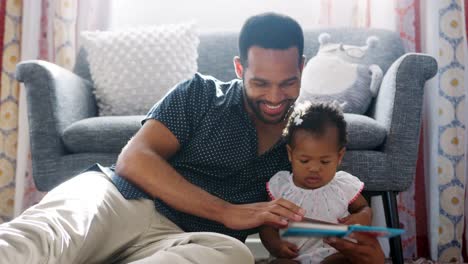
261	254
419	261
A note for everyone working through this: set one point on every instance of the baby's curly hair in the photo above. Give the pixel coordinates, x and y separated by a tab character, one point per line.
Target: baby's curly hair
315	118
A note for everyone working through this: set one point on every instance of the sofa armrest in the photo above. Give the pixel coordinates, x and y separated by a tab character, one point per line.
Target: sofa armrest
398	108
56	98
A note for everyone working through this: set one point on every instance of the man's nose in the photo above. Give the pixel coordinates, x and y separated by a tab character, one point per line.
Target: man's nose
276	95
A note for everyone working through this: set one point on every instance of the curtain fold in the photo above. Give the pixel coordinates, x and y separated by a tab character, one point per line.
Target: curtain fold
9	96
25	191
2	27
407	24
441	170
50	32
451	129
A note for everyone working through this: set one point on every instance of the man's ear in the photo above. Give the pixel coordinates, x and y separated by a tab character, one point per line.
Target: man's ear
303	62
238	67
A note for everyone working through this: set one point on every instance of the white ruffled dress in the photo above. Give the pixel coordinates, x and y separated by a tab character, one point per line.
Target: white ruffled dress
327	203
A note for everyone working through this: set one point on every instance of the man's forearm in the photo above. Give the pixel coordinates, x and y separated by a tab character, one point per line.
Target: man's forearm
159	179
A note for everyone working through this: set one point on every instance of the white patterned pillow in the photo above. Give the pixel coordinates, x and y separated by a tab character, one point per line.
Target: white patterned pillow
132	69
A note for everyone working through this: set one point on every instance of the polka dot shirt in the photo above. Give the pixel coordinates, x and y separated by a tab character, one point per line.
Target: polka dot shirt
218	149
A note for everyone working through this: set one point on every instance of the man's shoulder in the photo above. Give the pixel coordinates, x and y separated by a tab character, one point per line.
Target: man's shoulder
206	88
211	82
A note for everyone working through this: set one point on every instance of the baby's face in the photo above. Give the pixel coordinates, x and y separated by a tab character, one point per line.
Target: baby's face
313	158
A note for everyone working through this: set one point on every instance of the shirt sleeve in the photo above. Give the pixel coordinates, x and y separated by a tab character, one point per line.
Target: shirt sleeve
277	184
350	185
183	107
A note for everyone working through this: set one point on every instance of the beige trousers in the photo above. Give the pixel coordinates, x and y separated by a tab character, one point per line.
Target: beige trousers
87	220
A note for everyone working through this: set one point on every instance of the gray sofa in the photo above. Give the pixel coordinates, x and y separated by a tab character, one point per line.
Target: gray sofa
67	135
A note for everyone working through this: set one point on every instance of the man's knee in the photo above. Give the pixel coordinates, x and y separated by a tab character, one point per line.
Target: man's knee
236	251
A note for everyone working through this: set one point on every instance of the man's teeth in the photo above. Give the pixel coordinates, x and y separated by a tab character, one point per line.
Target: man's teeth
273	106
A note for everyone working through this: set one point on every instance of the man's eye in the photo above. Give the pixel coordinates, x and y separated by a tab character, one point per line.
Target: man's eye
303	161
289	84
325	162
259	84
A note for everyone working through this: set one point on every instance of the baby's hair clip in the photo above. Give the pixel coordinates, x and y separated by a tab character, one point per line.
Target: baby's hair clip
298	120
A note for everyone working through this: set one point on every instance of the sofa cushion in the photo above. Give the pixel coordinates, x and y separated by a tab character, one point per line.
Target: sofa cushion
106	134
133	68
109	134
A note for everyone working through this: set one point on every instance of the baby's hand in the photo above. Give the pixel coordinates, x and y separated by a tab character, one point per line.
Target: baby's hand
361	218
285	249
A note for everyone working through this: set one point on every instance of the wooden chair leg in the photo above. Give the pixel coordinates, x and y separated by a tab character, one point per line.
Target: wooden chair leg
391	216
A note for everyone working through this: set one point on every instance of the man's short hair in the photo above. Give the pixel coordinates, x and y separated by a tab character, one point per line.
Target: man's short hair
270	31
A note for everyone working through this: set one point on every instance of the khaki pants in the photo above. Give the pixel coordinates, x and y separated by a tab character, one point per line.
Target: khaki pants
86	220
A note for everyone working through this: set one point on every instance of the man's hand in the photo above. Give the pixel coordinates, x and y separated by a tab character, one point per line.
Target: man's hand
285	249
366	250
274	213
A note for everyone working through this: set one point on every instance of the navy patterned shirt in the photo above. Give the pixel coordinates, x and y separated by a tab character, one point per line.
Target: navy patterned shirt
218	149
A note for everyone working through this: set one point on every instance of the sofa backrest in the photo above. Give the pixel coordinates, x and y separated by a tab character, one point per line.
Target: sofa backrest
216	50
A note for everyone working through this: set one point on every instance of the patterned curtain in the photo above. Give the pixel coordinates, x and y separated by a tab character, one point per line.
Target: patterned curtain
441	225
57	24
407	21
445	172
56	44
451	123
357	14
10	20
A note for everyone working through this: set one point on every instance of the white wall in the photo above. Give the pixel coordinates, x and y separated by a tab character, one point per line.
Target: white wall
229	15
210	15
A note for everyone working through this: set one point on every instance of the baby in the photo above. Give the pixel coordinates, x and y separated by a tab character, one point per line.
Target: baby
316	139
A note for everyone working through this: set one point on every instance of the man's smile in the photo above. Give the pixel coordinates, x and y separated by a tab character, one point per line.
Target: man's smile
272	109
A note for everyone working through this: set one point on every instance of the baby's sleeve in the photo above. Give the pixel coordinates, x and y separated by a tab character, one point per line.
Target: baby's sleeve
350	185
276	184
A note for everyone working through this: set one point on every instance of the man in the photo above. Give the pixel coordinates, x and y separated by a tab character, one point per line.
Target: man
190	185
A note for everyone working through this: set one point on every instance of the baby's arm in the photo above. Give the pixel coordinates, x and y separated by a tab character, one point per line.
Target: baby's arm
360	213
275	245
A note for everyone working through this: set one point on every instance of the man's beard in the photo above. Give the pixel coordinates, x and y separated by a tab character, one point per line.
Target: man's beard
255	106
